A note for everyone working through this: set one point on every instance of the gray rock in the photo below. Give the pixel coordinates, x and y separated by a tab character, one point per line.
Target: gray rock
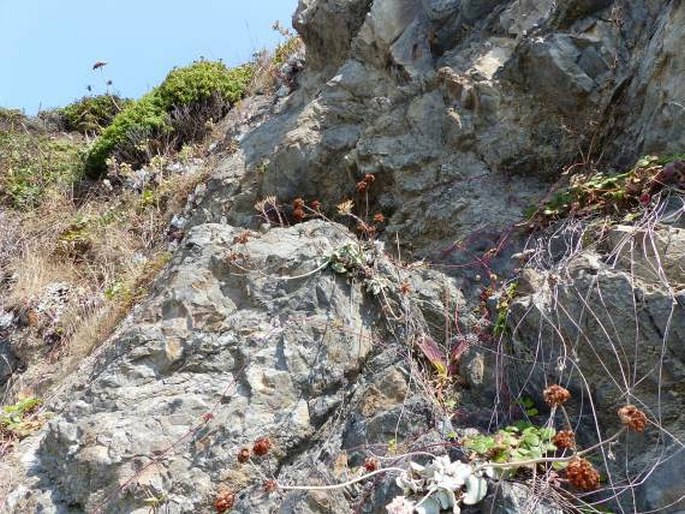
552	68
571	10
514	498
463	112
267	340
473	10
523	15
441	9
361	122
327	28
8	360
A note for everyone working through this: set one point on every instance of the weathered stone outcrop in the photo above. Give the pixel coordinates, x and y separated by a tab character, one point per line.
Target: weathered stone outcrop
245	337
465	113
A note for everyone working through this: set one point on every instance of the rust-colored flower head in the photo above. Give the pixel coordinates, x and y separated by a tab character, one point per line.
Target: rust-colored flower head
363	185
564	439
633	418
244	455
582	475
261	446
224	501
368	230
298	203
378	218
270	485
556	395
371	464
298	214
242	238
316	205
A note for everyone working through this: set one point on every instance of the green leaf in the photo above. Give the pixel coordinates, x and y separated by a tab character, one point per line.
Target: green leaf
526	402
481	444
522	425
531	440
547	433
338	267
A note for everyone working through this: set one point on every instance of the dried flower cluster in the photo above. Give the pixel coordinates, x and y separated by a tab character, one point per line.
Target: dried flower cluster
556	395
242	238
261	446
270	486
366	229
268	207
633	418
363	185
371	464
224	501
345	208
244	455
582	475
298	209
564	439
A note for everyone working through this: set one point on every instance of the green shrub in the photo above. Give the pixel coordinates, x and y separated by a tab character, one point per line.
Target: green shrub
203	80
11	119
91	114
32	164
173	114
124	138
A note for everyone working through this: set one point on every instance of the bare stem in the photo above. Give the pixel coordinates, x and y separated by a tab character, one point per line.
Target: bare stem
309	273
338	486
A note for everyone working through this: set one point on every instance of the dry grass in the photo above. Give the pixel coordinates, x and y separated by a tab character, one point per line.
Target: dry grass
268	63
105	245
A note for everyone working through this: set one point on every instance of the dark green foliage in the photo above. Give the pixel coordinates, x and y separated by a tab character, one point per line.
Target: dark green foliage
141	120
514	443
92	114
170	115
201	81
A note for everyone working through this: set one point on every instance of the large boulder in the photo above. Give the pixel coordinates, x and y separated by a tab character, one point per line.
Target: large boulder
247	335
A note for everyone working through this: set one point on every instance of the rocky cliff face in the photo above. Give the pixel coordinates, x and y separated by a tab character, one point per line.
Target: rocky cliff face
464	113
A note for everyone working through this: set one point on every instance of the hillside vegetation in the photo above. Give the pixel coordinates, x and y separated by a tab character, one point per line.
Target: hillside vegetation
88	193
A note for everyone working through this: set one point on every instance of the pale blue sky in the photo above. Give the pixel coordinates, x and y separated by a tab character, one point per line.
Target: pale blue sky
48	47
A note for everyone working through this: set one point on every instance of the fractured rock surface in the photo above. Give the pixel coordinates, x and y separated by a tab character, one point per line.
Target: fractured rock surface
465	112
